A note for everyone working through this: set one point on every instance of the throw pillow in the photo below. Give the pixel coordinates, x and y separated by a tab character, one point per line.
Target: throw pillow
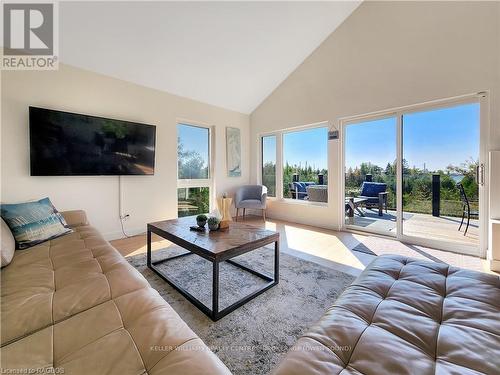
34	222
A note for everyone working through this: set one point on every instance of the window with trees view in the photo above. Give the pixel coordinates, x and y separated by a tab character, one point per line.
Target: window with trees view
269	164
305	164
193	170
295	164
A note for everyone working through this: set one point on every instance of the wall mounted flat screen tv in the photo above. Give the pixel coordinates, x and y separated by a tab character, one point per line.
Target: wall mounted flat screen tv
71	144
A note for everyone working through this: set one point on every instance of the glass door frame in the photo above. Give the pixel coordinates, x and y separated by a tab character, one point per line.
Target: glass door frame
482	98
356	120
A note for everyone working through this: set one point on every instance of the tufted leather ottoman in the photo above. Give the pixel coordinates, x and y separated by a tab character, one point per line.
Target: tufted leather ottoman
405	316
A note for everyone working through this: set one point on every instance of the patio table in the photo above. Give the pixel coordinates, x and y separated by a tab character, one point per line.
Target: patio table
352	204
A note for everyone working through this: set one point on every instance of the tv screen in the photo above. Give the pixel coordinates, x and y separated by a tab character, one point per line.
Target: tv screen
69	144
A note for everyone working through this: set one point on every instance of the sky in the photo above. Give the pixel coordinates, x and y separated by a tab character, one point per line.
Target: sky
309	145
437	138
269	149
194	139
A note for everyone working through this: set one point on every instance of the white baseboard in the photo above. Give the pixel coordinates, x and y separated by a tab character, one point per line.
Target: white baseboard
495	265
116	235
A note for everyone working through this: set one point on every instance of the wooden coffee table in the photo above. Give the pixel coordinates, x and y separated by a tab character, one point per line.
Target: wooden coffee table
216	247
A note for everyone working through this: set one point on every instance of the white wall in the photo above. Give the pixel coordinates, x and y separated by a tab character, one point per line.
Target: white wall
385	55
146	198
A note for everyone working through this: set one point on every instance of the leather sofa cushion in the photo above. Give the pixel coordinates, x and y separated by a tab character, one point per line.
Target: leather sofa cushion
405	316
62	277
75	218
134	334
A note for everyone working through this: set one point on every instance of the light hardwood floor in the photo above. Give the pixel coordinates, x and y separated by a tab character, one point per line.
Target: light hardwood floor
329	248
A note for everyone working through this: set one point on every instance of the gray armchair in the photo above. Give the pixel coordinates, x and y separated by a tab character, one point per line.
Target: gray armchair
252	197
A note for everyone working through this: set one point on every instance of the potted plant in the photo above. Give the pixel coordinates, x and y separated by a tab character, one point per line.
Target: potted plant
201	220
213	223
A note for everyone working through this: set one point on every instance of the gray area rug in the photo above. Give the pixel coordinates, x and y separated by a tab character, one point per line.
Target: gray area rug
252	339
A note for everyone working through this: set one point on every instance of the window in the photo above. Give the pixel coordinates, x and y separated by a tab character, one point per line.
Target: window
305	164
193	170
192	152
269	164
295	164
193	201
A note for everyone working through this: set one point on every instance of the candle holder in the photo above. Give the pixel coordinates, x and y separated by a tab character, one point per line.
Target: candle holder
224	208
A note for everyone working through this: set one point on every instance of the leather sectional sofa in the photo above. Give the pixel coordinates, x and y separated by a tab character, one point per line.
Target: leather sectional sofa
405	316
74	305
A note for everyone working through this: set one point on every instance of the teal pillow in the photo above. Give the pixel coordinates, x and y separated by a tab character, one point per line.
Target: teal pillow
34	222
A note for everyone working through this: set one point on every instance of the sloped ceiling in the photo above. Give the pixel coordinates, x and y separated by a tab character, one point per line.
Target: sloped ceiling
229	54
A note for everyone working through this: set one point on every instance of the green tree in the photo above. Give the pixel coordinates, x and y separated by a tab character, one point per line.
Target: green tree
269	178
190	163
417	185
468	169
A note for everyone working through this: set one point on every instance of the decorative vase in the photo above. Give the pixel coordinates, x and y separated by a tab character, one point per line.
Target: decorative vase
213	227
224	208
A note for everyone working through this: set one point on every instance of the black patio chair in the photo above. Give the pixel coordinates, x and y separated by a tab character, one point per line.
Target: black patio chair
465	208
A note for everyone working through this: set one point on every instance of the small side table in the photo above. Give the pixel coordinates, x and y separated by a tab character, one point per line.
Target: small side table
225	210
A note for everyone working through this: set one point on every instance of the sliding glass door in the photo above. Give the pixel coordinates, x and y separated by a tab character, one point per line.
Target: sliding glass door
370	175
440	182
417	174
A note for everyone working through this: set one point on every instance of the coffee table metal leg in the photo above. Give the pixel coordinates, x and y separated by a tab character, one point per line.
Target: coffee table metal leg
215	289
149	247
276	262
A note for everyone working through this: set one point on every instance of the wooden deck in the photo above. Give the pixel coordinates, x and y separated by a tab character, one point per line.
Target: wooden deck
442	228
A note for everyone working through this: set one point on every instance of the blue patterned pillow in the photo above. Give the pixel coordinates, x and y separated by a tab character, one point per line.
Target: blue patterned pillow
34	222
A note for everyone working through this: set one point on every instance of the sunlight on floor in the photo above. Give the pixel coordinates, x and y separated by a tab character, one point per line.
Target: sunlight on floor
319	244
137	245
270	225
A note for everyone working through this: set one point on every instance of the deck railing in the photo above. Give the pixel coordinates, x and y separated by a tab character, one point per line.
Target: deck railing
424	193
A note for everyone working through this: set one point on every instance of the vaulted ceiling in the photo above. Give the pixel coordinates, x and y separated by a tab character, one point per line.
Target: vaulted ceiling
229	54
